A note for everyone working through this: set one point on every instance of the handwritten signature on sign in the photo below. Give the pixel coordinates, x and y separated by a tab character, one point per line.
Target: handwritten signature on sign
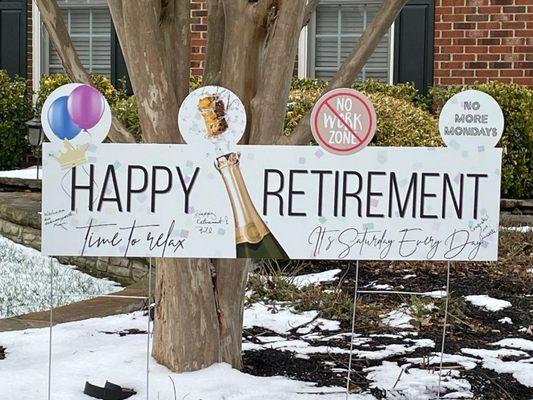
58	218
205	220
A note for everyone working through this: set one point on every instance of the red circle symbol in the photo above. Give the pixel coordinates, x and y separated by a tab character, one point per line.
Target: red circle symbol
343	121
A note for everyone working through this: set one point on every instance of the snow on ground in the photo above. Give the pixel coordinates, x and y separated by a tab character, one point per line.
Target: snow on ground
83	352
488	303
399	318
521	366
434	359
522	229
302	281
409	383
378	286
515	343
390	350
282	320
28	173
436	294
25	281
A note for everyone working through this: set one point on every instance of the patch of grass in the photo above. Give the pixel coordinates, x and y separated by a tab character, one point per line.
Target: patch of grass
274	283
331	303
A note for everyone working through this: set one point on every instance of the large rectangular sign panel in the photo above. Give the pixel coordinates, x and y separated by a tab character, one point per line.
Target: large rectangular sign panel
295	202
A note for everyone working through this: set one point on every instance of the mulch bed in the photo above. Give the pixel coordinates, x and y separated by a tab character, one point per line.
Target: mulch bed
508	279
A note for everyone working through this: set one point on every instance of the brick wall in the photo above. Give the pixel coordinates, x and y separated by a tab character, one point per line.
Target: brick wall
475	40
199	35
482	40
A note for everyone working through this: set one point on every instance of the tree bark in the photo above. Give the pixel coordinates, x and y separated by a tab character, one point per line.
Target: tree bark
215	42
186	328
230	286
309	10
157	55
352	65
57	30
281	43
198	315
245	31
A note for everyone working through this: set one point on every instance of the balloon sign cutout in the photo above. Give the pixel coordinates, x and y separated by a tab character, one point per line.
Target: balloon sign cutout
86	106
60	120
76	112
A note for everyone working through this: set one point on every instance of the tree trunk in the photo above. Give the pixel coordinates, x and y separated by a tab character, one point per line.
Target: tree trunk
251	51
199	306
186	328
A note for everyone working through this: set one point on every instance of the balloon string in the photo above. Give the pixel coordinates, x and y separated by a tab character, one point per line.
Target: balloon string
65	175
96	184
62	180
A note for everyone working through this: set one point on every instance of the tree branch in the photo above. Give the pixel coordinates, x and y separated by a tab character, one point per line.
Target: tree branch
309	10
57	30
215	42
353	64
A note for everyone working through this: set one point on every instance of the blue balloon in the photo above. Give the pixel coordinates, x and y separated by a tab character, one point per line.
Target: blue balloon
60	121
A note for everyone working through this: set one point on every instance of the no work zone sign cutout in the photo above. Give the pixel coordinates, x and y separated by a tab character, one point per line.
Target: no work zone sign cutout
343	121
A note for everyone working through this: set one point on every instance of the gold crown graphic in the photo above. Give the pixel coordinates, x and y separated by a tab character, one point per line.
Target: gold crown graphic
72	157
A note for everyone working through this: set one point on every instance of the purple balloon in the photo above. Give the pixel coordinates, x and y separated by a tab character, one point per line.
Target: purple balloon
85	106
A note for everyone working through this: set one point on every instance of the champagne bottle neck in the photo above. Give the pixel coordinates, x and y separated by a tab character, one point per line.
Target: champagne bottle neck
249	227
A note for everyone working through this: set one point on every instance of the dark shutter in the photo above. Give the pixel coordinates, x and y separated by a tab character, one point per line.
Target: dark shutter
118	65
13	37
413	44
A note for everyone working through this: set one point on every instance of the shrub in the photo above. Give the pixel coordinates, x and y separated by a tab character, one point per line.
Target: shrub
126	111
400	123
195	82
49	83
516	102
15	109
299	103
401	91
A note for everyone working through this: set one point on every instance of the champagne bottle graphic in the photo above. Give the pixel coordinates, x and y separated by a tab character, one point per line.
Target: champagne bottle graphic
253	238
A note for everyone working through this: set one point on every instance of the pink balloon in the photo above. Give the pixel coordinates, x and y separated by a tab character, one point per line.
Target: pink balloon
85	106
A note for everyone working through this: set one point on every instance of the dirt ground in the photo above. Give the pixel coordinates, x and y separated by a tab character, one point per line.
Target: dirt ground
469	326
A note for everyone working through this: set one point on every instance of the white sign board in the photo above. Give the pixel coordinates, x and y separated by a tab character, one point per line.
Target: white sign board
383	203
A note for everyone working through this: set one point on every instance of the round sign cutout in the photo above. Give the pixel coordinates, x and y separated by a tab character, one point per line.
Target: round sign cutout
343	121
471	119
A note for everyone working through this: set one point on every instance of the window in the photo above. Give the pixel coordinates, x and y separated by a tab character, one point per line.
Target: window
89	25
334	30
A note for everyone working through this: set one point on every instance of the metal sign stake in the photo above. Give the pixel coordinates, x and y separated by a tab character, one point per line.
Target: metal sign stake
353	328
444	327
51	329
148	329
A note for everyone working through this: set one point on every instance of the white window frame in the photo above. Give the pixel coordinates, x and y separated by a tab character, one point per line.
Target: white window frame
307	41
36	47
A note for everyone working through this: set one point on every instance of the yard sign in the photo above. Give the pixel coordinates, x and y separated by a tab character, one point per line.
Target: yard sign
213	198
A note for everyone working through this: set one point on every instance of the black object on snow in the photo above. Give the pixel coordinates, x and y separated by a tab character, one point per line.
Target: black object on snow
109	392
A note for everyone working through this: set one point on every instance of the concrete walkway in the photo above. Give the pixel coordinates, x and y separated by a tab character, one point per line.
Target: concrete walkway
98	307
